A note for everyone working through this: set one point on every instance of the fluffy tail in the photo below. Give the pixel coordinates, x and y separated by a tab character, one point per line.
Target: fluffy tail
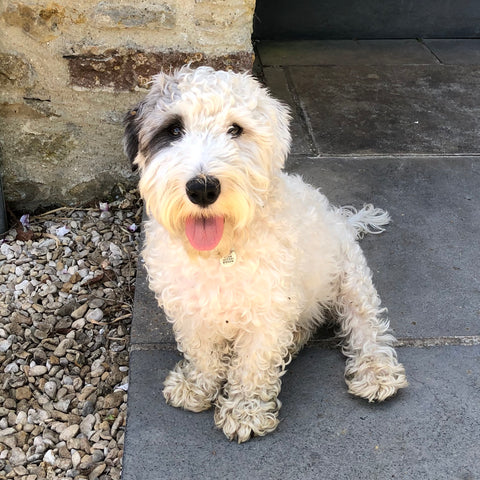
367	220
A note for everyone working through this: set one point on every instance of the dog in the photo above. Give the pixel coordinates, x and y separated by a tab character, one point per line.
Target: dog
246	260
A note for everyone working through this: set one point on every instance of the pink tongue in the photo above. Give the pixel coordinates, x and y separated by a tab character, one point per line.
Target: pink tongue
204	233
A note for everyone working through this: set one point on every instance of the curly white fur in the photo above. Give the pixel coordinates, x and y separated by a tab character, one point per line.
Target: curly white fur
296	256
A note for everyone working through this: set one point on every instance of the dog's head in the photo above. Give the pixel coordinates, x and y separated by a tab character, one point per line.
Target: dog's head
208	145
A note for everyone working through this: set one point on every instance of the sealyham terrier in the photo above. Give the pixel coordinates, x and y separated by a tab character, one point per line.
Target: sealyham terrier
246	260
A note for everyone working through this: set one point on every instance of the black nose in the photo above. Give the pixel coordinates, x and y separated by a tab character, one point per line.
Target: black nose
203	190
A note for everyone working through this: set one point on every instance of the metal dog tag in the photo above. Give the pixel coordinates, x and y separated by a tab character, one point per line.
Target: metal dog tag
229	259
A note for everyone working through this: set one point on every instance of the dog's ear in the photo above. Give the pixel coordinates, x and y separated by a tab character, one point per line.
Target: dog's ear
279	115
132	122
282	124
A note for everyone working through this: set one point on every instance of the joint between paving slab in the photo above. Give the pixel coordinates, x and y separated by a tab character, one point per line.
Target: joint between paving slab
420	40
389	155
333	343
302	114
460	340
152	346
421	342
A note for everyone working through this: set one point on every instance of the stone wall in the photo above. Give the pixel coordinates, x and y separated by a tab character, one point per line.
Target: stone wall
69	70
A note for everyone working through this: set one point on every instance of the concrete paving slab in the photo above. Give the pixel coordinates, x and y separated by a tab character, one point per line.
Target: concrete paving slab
277	81
426	264
456	51
344	52
150	325
391	109
429	431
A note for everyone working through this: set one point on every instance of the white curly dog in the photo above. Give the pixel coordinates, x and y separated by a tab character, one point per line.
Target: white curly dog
244	259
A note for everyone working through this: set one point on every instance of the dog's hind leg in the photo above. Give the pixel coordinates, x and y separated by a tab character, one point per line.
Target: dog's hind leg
372	370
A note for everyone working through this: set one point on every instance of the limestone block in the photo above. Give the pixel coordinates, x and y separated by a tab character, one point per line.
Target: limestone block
15	70
214	18
41	22
144	14
71	152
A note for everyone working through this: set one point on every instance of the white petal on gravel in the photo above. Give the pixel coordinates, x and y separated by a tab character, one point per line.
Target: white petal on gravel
123	387
25	220
62	231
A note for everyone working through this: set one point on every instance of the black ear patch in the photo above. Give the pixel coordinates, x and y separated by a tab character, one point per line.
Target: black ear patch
132	122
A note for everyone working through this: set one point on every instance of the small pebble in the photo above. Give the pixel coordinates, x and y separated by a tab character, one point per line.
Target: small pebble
78	324
6	344
79	312
50	388
94	315
38	370
69	432
61	350
17	456
23	393
49	457
86	427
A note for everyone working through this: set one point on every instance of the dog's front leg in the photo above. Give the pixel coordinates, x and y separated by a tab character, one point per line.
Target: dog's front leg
195	382
372	370
249	405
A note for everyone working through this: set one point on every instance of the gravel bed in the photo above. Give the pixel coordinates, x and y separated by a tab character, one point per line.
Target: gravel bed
66	295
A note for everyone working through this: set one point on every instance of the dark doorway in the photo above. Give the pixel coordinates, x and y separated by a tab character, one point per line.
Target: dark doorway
366	19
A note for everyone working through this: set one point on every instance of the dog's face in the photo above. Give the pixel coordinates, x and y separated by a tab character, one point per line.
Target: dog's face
208	144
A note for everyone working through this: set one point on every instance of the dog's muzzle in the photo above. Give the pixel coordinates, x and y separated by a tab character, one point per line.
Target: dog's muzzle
203	190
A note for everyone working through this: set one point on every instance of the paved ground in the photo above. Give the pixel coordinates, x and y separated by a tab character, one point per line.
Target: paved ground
395	123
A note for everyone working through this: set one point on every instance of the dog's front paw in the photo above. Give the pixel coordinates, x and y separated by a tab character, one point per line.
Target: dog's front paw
243	419
375	378
181	391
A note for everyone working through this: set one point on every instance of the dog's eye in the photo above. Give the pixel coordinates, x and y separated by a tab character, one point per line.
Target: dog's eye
175	130
235	130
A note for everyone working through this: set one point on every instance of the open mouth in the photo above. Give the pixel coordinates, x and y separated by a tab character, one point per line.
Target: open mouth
204	233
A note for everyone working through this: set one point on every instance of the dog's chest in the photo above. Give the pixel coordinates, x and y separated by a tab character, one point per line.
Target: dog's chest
227	298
